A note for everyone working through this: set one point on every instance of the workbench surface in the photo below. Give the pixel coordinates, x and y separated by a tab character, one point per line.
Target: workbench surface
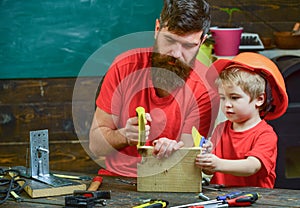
125	195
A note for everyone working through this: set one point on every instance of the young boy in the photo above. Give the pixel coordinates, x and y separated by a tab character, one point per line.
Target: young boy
251	89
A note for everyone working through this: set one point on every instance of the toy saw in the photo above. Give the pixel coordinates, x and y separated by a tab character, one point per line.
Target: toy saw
141	125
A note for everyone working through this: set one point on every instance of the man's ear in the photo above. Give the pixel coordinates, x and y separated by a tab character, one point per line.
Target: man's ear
157	27
203	39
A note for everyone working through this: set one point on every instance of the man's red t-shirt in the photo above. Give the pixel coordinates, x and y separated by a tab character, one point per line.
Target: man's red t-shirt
128	85
259	141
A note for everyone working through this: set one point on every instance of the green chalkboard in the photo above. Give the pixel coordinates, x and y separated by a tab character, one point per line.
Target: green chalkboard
54	38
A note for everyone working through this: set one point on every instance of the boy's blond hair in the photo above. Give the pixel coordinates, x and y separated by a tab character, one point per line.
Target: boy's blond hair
250	82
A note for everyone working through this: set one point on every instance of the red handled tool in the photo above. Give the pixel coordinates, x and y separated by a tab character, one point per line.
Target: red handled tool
96	183
240	201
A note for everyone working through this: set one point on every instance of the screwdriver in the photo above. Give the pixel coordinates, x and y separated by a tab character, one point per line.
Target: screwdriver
239	198
237	194
254	195
153	203
240	201
229	195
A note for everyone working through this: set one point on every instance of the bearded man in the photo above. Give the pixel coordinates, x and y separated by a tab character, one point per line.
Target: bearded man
167	81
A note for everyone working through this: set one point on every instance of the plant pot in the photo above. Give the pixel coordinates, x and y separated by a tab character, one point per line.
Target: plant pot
227	40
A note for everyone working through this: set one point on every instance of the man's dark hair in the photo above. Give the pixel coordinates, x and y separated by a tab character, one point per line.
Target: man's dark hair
185	16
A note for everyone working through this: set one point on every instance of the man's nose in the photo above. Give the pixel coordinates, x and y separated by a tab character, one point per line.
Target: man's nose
177	51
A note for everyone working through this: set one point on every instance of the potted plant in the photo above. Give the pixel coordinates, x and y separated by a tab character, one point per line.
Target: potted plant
205	51
227	37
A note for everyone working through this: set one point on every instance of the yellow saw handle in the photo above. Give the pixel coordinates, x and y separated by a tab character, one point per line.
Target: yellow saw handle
141	124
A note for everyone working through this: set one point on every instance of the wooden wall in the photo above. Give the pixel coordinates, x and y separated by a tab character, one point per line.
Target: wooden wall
34	104
259	16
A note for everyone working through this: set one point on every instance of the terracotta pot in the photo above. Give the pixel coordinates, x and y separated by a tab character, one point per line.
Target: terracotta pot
285	40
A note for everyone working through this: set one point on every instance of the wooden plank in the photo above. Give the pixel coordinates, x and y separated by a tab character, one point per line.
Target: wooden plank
36	90
47	90
19	119
37	189
176	173
82	115
85	88
23	136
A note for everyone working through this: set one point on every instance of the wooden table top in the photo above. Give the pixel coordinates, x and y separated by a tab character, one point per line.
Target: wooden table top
126	195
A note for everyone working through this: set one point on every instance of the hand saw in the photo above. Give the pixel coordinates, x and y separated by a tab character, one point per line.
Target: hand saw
198	139
142	125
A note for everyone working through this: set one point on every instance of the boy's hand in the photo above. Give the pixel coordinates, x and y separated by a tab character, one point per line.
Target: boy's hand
207	147
208	162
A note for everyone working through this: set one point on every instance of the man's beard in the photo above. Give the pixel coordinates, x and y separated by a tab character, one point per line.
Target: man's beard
169	73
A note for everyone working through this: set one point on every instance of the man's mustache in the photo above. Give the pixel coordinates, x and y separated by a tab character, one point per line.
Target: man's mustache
171	63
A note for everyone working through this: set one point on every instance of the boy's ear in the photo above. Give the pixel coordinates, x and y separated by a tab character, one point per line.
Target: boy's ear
260	100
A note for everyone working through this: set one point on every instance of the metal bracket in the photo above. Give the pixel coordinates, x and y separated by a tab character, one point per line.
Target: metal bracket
39	160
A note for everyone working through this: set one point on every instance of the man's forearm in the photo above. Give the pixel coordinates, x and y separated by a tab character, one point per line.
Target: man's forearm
104	140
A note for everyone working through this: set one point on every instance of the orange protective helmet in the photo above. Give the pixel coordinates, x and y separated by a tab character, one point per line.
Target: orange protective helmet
266	68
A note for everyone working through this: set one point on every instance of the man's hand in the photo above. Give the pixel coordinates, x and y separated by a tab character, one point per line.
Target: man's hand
164	147
131	130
